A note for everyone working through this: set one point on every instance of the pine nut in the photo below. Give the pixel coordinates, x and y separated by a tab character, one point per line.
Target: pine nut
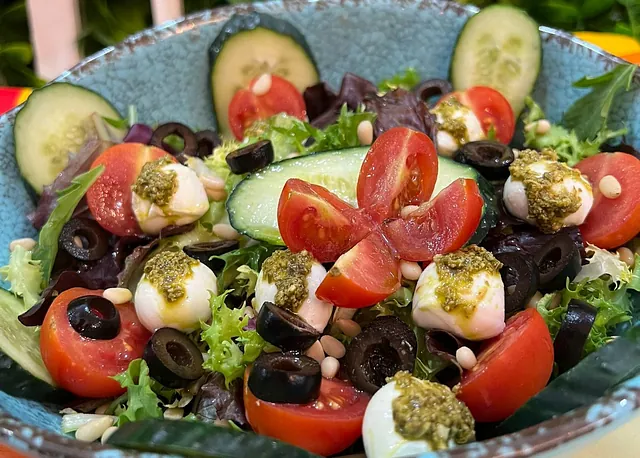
555	301
533	302
117	295
332	346
543	126
329	367
262	84
174	414
77	241
212	182
365	132
216	196
406	211
349	327
343	313
225	231
610	187
627	256
108	433
27	243
410	270
466	357
102	409
316	351
94	430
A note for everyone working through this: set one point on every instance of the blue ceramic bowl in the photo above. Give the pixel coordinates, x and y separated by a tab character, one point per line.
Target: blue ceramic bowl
165	73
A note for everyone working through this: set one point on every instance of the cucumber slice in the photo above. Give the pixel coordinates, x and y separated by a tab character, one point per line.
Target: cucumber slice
499	47
54	123
253	205
252	44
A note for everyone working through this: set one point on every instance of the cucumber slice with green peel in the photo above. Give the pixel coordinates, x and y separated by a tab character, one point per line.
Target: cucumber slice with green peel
250	45
55	123
253	205
499	47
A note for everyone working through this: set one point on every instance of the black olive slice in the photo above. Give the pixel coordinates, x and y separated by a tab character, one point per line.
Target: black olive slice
173	359
432	88
94	317
251	158
175	128
384	347
285	378
557	260
491	159
208	140
284	329
520	278
574	331
205	250
84	239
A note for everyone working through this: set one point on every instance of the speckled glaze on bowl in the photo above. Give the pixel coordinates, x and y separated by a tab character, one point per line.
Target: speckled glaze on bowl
164	72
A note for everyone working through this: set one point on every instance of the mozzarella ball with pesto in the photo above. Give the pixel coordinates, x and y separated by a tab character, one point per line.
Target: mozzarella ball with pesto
174	292
409	416
457	125
547	193
463	293
290	280
167	194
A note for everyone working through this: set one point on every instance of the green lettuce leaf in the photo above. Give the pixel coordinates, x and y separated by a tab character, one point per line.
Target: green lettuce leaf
287	134
252	257
406	80
24	275
604	263
142	402
231	346
343	133
68	200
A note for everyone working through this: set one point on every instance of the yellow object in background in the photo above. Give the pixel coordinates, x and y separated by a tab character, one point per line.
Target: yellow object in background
623	46
12	97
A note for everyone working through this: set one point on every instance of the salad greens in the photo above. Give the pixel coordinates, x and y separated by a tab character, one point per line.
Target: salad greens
406	80
237	261
141	400
24	274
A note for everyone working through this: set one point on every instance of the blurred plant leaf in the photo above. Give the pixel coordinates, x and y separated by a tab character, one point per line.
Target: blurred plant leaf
633	11
16	54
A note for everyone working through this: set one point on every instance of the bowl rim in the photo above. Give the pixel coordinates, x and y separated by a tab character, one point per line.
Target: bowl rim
545	436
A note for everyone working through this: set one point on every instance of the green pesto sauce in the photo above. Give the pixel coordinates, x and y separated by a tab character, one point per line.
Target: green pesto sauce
168	271
456	272
155	184
452	124
549	202
288	271
431	412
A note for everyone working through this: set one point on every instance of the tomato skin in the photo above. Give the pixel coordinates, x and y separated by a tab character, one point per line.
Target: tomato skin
282	97
312	218
323	431
491	108
363	276
109	198
85	366
612	222
440	226
400	169
512	368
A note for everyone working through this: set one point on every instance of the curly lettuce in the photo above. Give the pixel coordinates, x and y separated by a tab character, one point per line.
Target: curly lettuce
406	80
24	275
142	402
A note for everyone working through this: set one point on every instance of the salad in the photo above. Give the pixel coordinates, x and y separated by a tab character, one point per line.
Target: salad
385	269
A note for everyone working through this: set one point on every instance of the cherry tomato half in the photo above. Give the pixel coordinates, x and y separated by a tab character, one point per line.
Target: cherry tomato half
511	369
325	427
363	276
312	218
400	169
439	226
109	198
85	366
246	107
491	108
612	222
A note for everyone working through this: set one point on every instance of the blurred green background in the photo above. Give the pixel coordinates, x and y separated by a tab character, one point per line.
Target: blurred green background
107	22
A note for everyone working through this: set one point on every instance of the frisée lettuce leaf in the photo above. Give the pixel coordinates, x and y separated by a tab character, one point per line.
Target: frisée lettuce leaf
24	275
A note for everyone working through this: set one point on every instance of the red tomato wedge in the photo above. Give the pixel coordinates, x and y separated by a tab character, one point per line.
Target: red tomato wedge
439	226
246	107
400	169
312	218
109	198
325	427
511	369
363	276
612	222
85	366
491	108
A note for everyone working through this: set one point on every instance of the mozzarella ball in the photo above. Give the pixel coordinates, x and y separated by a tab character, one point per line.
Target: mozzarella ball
447	143
486	291
187	204
184	314
314	311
